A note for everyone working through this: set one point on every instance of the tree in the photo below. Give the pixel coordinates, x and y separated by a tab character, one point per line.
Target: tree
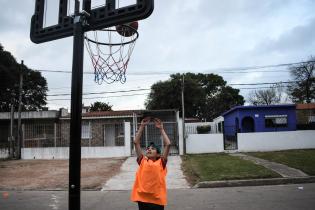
34	85
302	88
273	95
201	92
224	100
100	106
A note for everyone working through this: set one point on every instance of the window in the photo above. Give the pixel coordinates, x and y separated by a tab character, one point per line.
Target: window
276	121
86	131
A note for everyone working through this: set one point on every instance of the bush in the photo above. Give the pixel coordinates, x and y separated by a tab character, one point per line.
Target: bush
203	129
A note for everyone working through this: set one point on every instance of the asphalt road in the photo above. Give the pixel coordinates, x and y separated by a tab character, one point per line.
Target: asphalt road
278	197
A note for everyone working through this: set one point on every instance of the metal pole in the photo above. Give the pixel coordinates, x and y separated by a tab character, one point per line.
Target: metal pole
19	142
55	134
11	150
23	135
76	113
183	115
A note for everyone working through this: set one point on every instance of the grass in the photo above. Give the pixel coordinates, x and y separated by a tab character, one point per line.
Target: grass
299	159
215	167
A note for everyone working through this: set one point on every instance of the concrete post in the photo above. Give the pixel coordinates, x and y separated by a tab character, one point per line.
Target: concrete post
180	137
127	138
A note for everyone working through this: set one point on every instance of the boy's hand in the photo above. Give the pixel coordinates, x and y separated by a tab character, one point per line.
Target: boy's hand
145	121
158	123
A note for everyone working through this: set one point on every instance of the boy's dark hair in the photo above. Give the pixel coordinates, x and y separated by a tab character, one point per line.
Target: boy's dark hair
158	149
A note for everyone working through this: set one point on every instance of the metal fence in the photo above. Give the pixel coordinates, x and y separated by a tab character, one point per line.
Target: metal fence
58	135
41	135
4	136
152	134
230	137
305	119
191	128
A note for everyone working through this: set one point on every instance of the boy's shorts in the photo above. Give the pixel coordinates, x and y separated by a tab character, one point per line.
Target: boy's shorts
149	206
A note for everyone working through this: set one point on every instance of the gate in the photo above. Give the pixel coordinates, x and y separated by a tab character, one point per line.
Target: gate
152	134
230	137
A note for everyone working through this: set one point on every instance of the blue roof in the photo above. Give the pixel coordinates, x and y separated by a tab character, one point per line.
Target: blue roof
258	107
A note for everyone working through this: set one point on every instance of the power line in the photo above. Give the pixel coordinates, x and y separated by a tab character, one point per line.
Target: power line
143	89
262	83
224	69
67	99
137	94
95	93
255	88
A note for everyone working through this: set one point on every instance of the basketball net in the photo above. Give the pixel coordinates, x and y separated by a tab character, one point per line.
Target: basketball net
110	53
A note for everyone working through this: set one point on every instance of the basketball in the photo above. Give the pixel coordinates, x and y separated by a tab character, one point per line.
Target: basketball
127	31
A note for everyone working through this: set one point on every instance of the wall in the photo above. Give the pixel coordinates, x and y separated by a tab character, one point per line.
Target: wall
204	143
273	141
86	152
63	152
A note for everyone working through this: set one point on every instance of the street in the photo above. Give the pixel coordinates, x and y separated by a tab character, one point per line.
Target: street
301	196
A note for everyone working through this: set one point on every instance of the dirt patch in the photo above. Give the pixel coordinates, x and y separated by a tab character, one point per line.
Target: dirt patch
54	174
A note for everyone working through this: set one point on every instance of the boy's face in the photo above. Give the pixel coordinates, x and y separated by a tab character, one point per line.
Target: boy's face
151	152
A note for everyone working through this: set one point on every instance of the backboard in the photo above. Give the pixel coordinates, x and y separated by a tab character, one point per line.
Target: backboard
103	16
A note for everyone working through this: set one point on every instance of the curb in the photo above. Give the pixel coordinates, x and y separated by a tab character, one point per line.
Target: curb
255	182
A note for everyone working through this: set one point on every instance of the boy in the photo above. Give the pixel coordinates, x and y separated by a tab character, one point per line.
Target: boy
149	189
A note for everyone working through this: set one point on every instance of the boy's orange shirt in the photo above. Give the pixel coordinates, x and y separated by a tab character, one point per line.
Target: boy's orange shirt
150	184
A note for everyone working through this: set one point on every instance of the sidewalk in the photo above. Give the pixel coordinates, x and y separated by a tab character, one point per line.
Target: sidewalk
124	180
283	170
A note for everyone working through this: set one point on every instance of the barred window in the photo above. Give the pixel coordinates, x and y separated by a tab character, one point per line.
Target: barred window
272	121
86	131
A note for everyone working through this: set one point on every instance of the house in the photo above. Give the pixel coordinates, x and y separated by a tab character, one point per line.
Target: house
103	131
264	118
305	116
36	127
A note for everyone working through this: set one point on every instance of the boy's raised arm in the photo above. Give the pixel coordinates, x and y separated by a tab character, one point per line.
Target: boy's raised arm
166	140
137	139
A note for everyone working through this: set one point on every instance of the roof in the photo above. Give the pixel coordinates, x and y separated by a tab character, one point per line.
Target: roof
51	114
192	119
258	107
117	114
305	106
108	113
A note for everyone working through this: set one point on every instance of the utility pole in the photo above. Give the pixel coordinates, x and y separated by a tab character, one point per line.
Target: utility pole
183	115
19	140
11	143
76	112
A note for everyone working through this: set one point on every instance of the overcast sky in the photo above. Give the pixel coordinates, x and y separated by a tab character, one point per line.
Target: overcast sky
181	35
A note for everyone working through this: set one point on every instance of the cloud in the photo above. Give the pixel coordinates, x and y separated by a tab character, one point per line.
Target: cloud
299	37
180	35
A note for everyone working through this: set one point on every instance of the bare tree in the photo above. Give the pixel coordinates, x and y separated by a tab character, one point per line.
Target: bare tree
273	95
302	88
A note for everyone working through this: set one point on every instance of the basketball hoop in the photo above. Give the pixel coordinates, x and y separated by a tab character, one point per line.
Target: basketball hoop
110	57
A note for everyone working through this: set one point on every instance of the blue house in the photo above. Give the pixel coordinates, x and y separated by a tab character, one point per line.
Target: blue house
265	118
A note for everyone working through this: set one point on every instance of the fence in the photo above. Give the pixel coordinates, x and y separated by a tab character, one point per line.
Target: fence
191	128
87	151
152	134
41	135
38	135
305	119
230	137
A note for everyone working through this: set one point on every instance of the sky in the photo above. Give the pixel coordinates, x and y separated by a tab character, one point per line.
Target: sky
200	36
